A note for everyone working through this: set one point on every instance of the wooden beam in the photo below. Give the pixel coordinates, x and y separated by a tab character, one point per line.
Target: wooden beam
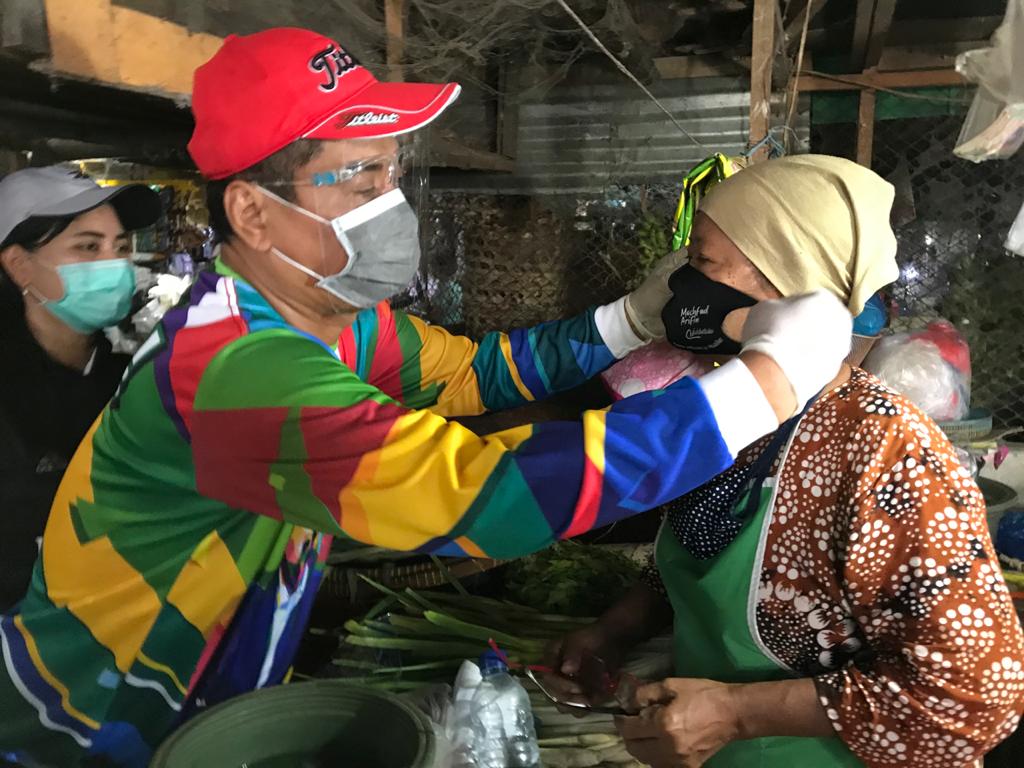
874	17
102	41
194	16
762	58
449	153
23	28
686	67
884	10
925	78
932	31
866	128
942	56
394	24
795	23
861	32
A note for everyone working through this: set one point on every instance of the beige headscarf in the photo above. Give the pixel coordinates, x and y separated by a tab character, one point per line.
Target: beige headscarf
810	222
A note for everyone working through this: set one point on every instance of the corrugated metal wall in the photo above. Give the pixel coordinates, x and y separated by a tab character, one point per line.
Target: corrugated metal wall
585	139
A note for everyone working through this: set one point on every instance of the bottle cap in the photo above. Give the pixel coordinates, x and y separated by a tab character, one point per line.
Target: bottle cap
491	663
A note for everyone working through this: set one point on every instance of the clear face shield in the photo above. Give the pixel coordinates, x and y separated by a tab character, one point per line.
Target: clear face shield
363	242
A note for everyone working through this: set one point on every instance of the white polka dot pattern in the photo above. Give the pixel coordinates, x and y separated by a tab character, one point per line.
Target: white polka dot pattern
879	579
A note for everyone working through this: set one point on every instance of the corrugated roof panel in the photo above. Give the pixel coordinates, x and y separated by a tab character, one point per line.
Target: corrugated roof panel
583	140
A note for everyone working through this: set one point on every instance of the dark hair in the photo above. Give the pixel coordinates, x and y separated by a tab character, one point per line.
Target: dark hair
36	231
31	234
280	166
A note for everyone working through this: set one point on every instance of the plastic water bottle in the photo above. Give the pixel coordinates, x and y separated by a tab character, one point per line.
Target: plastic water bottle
460	725
502	719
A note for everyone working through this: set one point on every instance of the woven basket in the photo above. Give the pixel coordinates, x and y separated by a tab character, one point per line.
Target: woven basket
518	265
344	582
977	425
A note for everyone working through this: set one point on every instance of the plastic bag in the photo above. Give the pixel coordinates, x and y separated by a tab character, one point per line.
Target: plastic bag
1010	536
994	128
435	701
163	294
652	367
931	367
1015	237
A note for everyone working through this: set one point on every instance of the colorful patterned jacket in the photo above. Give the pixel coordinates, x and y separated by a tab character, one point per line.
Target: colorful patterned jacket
188	537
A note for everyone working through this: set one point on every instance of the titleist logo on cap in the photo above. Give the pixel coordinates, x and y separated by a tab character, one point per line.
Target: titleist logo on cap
333	61
373	118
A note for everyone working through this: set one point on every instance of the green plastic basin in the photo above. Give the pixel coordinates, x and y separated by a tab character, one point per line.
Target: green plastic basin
318	724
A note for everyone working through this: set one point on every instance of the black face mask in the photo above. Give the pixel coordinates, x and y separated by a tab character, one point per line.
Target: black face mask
694	315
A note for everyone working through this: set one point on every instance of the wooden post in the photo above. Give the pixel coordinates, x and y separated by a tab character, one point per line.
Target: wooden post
762	56
866	127
394	23
507	113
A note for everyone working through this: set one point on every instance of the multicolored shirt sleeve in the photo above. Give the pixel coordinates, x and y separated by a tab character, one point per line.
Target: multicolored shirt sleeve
424	366
189	534
316	445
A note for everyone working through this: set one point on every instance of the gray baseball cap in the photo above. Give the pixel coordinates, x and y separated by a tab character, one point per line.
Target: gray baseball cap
57	191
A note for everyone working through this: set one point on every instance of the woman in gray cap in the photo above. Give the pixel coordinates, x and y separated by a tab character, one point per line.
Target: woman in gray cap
65	275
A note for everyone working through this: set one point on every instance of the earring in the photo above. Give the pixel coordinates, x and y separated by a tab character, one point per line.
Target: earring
28	289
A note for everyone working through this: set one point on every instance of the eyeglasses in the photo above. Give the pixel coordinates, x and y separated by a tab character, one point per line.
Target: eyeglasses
384	169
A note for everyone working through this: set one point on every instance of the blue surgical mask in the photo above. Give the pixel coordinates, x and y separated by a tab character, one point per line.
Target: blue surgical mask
97	294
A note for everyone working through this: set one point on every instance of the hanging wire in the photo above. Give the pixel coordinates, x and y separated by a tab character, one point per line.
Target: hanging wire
775	147
796	75
622	68
788	132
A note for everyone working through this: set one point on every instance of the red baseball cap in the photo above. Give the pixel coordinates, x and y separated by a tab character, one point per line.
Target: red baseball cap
261	92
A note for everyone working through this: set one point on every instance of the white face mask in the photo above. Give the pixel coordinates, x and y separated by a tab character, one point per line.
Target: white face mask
382	241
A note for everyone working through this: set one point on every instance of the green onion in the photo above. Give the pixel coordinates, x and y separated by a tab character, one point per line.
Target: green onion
477	632
435	648
446	664
381	607
413	627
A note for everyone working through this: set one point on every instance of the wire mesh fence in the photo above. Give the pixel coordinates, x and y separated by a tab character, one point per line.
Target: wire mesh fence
951	218
503	261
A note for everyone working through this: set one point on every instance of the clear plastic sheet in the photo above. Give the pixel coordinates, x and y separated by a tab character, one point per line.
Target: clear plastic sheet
994	128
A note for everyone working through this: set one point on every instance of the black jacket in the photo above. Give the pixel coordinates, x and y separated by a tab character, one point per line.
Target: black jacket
45	411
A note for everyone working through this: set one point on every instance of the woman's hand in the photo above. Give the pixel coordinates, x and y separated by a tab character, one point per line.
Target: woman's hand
638	615
565	656
683	722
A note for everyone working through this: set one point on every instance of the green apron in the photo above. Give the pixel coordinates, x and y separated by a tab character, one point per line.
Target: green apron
714	602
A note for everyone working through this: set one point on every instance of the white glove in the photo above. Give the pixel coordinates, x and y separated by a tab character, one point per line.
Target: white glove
807	336
644	305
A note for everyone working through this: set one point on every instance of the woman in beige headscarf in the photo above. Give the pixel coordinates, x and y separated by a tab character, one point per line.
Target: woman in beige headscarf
835	596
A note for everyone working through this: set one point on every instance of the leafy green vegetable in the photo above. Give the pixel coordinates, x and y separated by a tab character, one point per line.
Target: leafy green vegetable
571	579
652	243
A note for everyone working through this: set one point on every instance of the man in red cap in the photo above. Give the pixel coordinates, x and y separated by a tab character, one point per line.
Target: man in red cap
284	403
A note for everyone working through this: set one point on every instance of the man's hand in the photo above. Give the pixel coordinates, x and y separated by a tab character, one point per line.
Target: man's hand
808	337
644	305
683	722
